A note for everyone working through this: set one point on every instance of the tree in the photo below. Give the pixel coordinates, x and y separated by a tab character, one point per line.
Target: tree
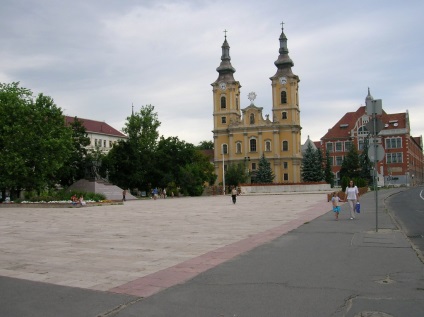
365	164
34	141
328	174
312	170
235	174
74	167
205	145
350	166
264	173
131	162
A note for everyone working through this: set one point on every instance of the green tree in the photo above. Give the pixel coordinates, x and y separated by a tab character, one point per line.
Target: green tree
235	174
205	145
264	173
312	167
350	166
34	141
320	165
130	163
328	174
74	167
365	164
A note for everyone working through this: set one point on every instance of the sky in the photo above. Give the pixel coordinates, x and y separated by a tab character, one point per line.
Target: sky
98	58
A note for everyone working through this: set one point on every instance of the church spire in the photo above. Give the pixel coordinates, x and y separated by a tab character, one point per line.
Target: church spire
225	69
284	62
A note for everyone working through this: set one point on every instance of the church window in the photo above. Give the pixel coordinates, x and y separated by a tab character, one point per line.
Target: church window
252	145
223	102
253	166
285	165
237	104
267	146
286	176
285	146
284	115
224	148
223	119
238	147
283	97
252	118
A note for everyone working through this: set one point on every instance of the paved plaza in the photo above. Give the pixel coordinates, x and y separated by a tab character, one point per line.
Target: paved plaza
144	246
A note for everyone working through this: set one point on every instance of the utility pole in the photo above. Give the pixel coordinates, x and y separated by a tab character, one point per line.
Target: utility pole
376	153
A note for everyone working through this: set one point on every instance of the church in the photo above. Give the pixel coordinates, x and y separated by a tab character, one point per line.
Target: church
243	135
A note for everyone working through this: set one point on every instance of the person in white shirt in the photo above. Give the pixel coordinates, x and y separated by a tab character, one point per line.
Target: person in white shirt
352	197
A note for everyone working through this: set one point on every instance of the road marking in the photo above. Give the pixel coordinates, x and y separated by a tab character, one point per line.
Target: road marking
421	194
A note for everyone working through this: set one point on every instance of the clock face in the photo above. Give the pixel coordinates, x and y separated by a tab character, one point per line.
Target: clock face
283	80
223	86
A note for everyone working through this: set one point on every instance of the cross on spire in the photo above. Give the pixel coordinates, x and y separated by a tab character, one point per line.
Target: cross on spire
225	31
282	25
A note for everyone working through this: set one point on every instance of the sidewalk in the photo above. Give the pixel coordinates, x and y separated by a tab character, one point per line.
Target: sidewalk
283	263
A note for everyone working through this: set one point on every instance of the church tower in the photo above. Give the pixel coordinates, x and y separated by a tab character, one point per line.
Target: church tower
243	135
285	108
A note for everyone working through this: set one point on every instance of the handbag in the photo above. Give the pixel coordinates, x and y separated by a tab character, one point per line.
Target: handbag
358	208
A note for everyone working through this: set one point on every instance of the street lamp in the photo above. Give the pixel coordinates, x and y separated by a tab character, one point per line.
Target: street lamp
223	173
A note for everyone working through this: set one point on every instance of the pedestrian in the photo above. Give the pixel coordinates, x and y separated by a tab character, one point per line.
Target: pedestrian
234	194
124	193
82	201
352	197
336	208
164	193
155	193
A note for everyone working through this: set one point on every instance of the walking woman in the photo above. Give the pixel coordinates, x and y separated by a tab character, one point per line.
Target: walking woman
352	197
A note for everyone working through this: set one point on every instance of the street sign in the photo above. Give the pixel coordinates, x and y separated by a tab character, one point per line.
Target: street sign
379	125
379	152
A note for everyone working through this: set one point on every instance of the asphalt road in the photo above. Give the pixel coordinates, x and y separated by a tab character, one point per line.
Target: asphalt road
407	208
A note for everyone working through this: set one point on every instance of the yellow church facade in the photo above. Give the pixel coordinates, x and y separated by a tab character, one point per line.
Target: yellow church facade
243	135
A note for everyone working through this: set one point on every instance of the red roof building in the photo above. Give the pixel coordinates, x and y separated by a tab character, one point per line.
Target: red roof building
403	159
101	134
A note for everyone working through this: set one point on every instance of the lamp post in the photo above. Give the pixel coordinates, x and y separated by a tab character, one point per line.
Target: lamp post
223	174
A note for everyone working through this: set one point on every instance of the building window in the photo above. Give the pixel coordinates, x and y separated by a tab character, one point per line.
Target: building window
339	160
238	147
361	143
283	97
286	177
95	142
267	146
394	158
252	118
110	143
329	146
224	148
285	165
237	104
285	145
104	143
253	166
284	115
252	145
363	130
348	145
394	143
223	102
223	119
339	146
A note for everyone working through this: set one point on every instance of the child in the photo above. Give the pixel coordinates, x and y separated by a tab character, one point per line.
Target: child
336	208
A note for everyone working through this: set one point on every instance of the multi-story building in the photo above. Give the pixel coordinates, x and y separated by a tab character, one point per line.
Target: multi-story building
243	135
403	160
102	135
